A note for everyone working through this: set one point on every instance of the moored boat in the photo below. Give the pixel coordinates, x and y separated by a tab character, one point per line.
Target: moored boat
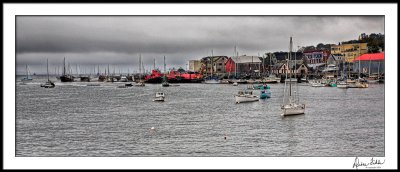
66	77
160	97
48	84
154	77
245	96
28	76
265	94
291	104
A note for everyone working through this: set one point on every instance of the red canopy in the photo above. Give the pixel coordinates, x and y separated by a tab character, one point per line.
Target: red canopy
367	57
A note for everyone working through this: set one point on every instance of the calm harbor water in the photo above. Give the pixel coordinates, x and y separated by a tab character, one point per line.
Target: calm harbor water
73	119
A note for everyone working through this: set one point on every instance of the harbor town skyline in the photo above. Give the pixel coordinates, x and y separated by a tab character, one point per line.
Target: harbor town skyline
91	41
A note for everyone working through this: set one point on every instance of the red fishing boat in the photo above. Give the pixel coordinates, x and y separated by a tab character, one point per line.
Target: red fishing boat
155	77
192	77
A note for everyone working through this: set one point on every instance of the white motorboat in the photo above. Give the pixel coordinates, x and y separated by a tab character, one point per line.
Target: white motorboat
159	97
235	84
212	81
317	83
123	79
342	84
245	96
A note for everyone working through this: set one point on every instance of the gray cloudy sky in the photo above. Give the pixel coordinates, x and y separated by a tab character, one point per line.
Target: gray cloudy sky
118	40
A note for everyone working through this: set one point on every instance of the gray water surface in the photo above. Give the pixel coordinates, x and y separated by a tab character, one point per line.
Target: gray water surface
73	119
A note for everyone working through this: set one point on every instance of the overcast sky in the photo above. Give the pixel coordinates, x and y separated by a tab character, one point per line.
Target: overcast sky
118	40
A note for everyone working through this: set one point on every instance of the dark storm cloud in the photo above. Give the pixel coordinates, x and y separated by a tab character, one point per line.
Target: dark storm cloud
119	40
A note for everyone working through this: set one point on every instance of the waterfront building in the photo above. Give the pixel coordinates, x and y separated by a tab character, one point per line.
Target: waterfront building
243	64
194	65
213	65
349	51
283	56
296	67
316	56
370	63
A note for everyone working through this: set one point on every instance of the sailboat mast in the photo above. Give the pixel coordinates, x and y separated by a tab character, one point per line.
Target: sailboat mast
212	63
290	79
263	57
140	65
235	63
165	66
26	71
359	60
48	79
64	67
270	64
369	68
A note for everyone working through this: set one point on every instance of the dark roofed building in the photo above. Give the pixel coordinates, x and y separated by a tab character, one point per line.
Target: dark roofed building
281	56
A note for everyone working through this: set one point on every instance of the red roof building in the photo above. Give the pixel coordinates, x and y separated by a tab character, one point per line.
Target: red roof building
372	57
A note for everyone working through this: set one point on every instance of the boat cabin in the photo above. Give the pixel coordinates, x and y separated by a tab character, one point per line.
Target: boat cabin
159	94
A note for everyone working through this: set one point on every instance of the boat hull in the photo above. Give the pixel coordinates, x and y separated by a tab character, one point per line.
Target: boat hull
212	81
293	110
66	78
165	84
159	99
241	99
342	85
155	80
265	95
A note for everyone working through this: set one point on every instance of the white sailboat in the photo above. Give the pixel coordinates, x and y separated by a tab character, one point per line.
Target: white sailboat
28	76
291	106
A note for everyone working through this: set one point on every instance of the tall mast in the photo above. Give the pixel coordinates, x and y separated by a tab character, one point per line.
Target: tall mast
64	67
212	63
359	60
140	63
48	79
165	66
236	62
263	64
26	71
290	79
369	68
270	64
154	65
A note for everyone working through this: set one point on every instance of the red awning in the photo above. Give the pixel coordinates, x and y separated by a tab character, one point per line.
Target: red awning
367	57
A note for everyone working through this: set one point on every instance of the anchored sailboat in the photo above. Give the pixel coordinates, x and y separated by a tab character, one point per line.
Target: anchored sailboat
291	106
28	76
66	77
48	84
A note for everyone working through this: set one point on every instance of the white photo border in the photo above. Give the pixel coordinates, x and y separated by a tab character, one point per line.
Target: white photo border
12	10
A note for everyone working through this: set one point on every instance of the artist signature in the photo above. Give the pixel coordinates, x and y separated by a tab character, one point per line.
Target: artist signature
372	163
